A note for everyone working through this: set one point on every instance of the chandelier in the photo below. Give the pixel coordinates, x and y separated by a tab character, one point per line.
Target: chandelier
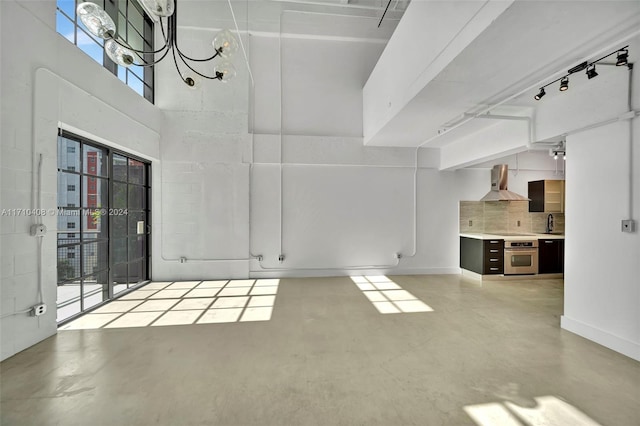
100	24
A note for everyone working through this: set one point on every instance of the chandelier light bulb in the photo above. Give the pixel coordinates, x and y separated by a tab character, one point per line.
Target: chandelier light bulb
225	43
225	71
160	7
97	21
118	54
191	80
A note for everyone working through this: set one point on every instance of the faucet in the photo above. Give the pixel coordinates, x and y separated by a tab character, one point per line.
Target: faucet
549	224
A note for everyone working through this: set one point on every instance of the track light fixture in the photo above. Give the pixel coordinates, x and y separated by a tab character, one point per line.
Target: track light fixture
623	55
100	24
622	59
564	84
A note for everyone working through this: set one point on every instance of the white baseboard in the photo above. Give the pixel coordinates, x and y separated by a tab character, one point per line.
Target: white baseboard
426	271
606	339
304	273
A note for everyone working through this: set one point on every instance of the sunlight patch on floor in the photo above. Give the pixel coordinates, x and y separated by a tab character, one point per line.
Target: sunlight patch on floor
387	296
186	302
548	411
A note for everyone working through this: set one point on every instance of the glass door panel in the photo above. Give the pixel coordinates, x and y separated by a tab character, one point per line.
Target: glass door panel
69	294
130	229
137	197
119	195
94	289
119	168
94	161
137	172
136	272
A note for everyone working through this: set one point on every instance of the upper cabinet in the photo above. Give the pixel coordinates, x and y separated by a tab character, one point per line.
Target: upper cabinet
546	196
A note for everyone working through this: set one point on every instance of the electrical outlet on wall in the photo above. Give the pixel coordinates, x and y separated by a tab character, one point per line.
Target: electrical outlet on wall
38	230
628	225
38	309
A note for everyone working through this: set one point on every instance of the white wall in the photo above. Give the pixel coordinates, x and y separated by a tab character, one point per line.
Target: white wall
587	102
601	266
345	207
330	103
46	83
601	262
353	212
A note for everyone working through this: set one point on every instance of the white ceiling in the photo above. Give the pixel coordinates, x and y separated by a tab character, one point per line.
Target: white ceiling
531	42
263	16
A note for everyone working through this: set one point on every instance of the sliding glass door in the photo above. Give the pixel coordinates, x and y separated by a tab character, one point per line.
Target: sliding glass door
103	216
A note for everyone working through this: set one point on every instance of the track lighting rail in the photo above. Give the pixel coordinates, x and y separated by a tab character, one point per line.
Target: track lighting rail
621	60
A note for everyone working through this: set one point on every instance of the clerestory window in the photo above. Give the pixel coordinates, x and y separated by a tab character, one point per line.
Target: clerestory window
134	27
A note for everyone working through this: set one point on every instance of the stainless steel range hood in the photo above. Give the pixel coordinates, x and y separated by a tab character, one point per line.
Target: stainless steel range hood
499	191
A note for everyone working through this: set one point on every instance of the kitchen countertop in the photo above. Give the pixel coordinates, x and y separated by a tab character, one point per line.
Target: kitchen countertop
512	237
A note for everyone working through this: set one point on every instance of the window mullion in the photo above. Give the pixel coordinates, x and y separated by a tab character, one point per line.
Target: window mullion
81	229
110	234
148	72
111	7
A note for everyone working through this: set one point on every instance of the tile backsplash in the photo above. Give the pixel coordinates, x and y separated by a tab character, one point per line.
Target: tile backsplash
505	216
539	222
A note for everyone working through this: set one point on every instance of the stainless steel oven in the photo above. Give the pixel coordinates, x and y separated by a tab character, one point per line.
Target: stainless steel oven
520	257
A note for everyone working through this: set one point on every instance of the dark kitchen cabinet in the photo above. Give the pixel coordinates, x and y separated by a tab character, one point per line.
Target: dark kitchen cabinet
550	256
471	254
484	257
546	196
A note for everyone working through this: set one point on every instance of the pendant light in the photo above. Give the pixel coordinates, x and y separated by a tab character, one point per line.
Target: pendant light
100	24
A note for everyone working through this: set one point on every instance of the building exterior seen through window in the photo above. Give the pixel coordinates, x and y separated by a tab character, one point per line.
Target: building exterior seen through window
134	27
103	212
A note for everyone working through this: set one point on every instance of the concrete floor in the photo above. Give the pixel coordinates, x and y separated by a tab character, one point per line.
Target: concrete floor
488	354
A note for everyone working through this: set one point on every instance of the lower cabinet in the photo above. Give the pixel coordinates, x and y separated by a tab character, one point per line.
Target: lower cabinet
551	256
482	256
